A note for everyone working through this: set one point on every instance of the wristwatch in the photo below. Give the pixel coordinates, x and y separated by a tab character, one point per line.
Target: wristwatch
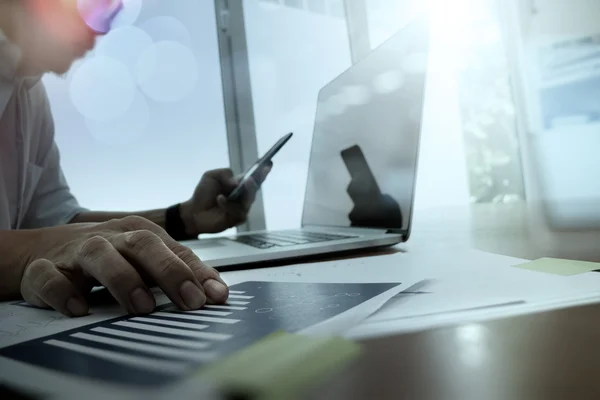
174	223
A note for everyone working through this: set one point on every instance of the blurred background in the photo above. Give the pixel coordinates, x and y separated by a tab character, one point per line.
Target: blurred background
512	108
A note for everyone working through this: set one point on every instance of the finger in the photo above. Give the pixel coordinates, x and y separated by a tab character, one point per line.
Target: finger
215	291
214	287
43	285
225	178
236	212
221	173
253	183
101	260
150	253
262	175
252	187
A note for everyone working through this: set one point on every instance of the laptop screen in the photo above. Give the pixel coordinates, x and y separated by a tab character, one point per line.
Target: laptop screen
365	143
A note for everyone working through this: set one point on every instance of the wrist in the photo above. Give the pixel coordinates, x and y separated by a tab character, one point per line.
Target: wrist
28	244
186	211
179	221
16	248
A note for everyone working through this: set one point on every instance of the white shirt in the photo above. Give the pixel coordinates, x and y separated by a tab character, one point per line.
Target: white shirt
33	189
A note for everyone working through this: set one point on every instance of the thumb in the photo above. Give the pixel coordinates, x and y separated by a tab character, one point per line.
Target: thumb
43	285
222	201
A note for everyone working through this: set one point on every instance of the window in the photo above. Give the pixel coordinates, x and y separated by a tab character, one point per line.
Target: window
385	17
442	177
141	118
293	53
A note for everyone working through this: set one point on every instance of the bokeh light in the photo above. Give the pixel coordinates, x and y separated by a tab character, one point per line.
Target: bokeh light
133	63
415	63
167	28
102	89
167	71
336	105
129	14
389	82
127	128
355	95
125	45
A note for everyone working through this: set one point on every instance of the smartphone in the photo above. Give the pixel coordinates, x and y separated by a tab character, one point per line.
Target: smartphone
359	170
256	169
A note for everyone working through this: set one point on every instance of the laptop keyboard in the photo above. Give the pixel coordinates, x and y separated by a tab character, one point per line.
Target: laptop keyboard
282	239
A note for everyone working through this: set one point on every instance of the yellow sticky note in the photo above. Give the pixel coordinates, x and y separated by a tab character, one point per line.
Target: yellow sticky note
558	266
280	364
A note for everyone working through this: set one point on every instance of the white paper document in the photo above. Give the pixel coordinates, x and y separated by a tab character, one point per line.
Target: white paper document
468	317
127	356
432	297
359	298
483	284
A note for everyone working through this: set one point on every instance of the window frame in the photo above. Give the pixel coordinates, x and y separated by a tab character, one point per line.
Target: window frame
235	76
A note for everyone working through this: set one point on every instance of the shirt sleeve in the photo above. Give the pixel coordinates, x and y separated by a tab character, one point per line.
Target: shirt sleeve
52	203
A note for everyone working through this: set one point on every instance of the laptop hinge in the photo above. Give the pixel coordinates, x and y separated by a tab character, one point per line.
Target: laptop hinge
380	230
401	232
396	231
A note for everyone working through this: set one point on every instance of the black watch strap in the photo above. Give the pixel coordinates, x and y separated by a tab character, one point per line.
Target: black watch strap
174	224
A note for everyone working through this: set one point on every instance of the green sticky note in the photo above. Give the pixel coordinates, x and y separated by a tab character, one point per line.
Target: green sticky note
280	364
558	266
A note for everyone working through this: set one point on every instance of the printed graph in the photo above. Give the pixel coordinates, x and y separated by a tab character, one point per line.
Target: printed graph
168	344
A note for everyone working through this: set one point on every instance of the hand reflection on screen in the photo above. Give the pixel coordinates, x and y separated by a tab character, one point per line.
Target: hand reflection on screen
372	208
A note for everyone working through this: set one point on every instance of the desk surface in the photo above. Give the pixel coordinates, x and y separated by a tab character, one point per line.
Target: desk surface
551	355
540	356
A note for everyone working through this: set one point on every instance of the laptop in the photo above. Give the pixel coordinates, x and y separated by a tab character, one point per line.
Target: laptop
363	161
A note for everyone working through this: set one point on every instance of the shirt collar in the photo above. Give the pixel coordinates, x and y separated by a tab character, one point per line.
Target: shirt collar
10	57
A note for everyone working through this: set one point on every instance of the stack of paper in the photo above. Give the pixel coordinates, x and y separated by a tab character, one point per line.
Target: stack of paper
499	287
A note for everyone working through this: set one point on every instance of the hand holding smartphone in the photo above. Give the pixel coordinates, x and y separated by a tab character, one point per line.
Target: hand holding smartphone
256	170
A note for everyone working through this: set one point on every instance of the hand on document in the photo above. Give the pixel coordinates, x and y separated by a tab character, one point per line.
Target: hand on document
124	255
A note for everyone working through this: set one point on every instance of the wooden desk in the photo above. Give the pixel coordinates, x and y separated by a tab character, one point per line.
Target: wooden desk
551	355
